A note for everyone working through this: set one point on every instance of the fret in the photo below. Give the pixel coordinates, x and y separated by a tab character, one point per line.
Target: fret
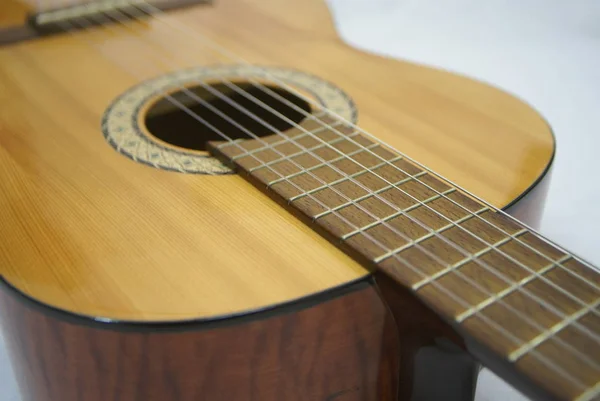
392	216
414	242
316	166
573	283
549	371
514	292
344	185
544	342
284	151
313	135
288	154
583	272
305	182
476	255
320	119
398	213
368	195
526	325
574	358
465	201
546	249
579	339
440	211
525	348
332	184
591	394
399	265
391	236
524	255
516	285
558	298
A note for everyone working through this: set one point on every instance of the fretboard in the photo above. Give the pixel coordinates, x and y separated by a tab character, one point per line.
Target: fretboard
533	304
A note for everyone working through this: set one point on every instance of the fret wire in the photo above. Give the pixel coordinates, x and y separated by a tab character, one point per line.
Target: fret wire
499	299
237	89
233	141
456	246
489	268
482	263
261	121
483	317
291	155
285	140
513	356
517	286
590	394
450	243
332	183
462	262
568	271
395	251
510	289
258	119
397	214
543	359
369	195
552	366
315	167
534	250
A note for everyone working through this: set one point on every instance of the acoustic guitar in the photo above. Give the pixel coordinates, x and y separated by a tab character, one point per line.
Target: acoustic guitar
223	201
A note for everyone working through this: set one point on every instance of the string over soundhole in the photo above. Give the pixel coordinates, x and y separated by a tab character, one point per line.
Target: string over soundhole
166	122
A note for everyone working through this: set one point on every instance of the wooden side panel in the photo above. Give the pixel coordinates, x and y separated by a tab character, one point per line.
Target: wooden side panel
344	349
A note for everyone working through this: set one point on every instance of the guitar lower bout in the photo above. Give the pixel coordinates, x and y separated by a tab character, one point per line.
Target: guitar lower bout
140	260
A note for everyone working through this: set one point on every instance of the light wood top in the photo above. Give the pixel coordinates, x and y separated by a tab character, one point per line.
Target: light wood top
88	230
495	278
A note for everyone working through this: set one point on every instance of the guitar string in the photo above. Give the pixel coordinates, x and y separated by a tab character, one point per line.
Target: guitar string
160	16
275	131
491	246
511	337
97	21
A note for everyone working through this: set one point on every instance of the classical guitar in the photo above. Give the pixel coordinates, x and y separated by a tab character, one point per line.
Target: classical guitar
223	201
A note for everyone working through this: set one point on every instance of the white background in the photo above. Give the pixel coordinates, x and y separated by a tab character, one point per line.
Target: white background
546	52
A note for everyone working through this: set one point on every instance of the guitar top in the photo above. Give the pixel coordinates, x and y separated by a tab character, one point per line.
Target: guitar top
218	160
106	229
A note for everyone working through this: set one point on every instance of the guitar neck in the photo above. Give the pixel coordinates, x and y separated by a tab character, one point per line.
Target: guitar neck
530	302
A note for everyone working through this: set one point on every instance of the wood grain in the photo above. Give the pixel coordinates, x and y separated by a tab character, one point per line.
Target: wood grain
344	349
491	275
91	232
101	222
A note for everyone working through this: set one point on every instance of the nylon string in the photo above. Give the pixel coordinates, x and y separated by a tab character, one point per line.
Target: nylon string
341	217
534	273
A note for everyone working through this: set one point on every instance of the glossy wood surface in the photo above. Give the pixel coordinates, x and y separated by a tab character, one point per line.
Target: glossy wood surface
95	233
341	349
492	276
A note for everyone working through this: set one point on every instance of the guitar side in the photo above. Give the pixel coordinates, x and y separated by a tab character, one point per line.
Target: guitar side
172	348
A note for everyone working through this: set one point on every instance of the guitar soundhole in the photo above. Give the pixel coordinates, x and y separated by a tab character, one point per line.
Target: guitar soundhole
241	112
149	128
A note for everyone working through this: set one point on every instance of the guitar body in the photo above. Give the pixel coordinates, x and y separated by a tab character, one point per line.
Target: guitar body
124	280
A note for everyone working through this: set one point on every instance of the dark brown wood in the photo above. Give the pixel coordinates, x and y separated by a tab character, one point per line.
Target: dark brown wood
494	277
344	348
17	34
418	327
